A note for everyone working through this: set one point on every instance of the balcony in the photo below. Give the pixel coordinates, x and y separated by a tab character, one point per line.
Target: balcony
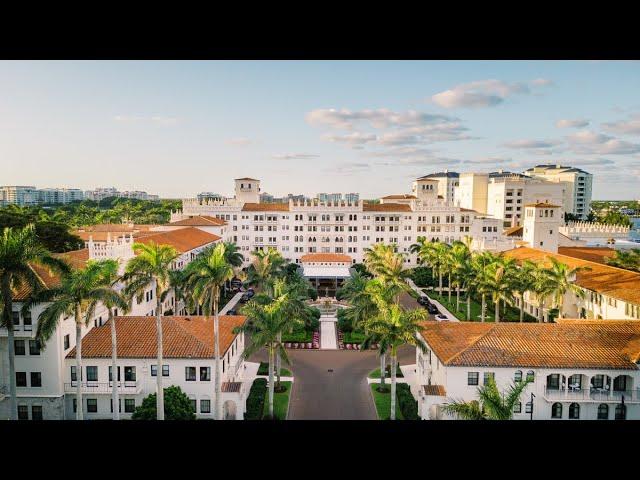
126	387
593	395
19	331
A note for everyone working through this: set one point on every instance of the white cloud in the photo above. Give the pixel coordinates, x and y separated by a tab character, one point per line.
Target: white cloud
577	123
483	93
532	144
542	82
355	138
294	156
624	127
589	142
239	141
345	119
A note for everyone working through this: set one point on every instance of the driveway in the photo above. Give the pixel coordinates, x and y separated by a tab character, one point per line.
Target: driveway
342	394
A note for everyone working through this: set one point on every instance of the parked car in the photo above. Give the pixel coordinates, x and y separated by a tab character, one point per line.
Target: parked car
250	292
441	318
424	301
432	309
244	298
232	312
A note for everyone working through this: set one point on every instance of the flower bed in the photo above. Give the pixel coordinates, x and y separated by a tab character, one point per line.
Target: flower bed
342	345
312	345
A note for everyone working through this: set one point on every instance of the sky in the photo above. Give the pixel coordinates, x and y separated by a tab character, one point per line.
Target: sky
177	128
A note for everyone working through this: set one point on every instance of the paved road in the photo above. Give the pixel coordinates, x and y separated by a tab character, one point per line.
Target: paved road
339	395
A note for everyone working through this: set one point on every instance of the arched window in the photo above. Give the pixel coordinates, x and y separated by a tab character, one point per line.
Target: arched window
556	410
574	411
603	411
530	376
621	412
518	376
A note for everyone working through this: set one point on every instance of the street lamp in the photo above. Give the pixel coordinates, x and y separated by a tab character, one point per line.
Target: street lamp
532	397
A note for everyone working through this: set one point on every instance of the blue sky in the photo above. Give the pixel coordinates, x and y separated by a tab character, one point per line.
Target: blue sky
178	128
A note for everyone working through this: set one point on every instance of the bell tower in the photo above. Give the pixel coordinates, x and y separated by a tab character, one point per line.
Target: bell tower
541	224
247	190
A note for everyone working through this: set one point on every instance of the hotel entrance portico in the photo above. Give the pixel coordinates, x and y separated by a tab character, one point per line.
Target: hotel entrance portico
326	271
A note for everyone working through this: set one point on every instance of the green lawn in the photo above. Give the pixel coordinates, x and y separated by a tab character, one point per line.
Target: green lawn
280	402
513	314
353	337
383	403
376	373
264	370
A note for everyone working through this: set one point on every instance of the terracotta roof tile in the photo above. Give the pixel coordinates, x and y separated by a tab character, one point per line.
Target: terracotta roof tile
265	207
183	240
514	231
608	344
542	205
592	254
403	196
325	257
615	282
182	336
200	221
385	207
434	390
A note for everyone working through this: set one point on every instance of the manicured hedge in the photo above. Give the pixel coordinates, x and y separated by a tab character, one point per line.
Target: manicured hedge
408	405
255	400
423	277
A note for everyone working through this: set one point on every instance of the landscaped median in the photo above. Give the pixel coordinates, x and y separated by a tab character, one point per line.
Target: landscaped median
258	401
406	406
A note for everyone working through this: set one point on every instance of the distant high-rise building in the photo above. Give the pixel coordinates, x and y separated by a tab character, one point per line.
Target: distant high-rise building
329	197
19	195
352	197
101	193
447	182
578	200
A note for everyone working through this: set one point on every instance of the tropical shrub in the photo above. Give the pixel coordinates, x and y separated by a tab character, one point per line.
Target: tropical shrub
177	406
423	277
408	405
255	400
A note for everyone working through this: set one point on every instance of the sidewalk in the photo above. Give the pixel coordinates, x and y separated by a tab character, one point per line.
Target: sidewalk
328	336
231	303
450	316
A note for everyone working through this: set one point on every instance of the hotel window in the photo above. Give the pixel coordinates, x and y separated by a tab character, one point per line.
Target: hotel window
603	411
472	378
553	381
528	407
621	412
205	406
574	411
205	374
530	376
556	410
194	405
517	408
19	347
190	374
21	379
129	374
92	374
26	319
66	342
92	405
487	376
36	412
36	379
518	376
129	405
111	374
16	318
23	412
119	405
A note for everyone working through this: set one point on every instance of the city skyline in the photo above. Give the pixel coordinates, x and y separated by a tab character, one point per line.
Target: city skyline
179	128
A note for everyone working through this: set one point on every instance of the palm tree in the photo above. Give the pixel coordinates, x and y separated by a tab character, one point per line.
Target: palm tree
562	281
541	286
204	278
79	292
491	404
500	282
627	259
432	254
233	256
481	281
266	265
266	324
393	328
150	268
459	257
111	300
522	283
19	250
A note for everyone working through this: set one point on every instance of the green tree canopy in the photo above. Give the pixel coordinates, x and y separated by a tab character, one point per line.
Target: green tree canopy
177	406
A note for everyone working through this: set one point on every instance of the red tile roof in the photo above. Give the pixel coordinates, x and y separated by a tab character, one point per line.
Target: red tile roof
612	281
434	390
200	221
183	239
592	254
385	207
607	344
182	337
403	196
325	257
265	207
542	205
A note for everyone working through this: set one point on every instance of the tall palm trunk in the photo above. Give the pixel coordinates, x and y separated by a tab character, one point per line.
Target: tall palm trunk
394	360
278	361
468	307
521	307
484	307
115	399
457	298
216	351
79	406
8	320
440	280
160	390
449	286
497	311
383	368
271	385
541	311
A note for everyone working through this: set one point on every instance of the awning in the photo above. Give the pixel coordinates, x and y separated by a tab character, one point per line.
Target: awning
326	272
